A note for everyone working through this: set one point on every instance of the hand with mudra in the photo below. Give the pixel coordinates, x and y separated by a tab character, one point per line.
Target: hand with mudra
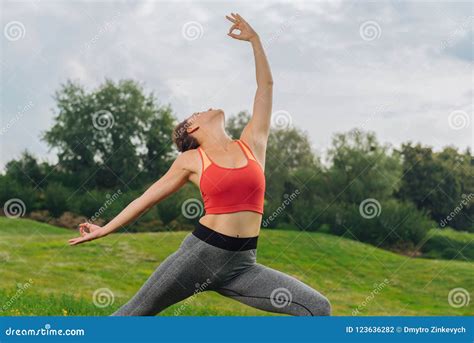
247	33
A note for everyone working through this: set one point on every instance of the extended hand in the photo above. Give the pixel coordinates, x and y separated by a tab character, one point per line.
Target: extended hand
88	233
247	33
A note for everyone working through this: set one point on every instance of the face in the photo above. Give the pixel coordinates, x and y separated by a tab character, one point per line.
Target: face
206	119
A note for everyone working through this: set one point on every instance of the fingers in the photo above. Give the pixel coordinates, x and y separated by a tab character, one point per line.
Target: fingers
234	27
75	241
231	19
240	18
84	228
233	35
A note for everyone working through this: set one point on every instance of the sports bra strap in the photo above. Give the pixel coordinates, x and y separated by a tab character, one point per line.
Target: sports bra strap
246	150
206	162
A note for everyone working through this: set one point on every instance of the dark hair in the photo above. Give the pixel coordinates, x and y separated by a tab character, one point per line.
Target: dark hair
183	140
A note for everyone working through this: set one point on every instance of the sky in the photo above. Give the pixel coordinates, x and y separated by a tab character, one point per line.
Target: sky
403	69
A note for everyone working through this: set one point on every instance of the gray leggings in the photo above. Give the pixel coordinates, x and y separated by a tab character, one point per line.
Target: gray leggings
198	266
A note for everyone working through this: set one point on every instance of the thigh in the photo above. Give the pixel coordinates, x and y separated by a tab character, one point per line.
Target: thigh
270	290
175	279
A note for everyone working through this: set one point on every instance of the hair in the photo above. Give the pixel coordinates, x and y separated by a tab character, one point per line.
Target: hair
183	140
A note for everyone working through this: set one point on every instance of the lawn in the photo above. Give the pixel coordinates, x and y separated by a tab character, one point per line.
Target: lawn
40	274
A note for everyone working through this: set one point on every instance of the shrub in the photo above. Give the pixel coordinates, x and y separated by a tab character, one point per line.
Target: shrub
397	225
56	199
449	244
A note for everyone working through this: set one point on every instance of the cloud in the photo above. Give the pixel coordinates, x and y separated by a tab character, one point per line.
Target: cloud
403	83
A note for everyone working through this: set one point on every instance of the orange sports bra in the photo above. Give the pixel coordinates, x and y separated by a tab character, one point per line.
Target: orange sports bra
227	190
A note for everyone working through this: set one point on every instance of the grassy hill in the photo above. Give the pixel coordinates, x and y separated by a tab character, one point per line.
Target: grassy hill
42	275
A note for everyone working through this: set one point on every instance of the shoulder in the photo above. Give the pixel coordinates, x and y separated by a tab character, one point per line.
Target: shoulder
188	159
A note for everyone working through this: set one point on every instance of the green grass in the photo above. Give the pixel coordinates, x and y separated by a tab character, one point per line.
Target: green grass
61	279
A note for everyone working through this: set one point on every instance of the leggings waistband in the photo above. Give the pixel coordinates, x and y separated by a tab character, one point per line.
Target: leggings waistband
222	241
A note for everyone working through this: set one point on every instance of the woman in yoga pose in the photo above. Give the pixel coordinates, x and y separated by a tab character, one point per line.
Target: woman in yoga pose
220	254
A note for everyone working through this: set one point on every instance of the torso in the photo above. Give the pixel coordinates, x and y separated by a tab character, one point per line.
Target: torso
237	224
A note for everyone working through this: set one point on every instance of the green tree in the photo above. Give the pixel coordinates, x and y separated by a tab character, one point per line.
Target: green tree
106	137
361	168
429	179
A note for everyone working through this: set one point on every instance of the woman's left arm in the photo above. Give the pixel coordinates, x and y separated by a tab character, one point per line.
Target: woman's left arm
255	134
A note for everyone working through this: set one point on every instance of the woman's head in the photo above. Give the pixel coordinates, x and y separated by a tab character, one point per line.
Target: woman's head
194	130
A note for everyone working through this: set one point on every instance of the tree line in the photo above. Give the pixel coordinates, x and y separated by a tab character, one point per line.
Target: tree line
113	142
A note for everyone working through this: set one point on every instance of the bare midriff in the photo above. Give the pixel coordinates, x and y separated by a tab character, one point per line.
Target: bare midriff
238	224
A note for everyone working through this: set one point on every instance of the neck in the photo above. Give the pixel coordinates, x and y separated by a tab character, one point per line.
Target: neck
216	141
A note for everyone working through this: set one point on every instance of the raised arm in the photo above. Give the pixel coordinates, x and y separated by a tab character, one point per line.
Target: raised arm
255	134
174	179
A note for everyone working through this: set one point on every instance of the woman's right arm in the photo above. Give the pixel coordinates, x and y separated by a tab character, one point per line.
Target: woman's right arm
173	180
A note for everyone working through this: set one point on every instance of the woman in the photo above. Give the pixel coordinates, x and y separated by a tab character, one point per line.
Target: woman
220	254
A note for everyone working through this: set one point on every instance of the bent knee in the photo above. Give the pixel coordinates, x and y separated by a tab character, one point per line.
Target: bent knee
320	306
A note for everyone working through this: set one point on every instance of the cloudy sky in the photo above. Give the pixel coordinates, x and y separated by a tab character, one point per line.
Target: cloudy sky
400	68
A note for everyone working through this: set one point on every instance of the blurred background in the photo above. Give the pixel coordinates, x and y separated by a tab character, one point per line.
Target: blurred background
369	164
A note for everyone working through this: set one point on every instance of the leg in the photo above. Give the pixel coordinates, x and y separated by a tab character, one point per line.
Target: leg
270	290
176	279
